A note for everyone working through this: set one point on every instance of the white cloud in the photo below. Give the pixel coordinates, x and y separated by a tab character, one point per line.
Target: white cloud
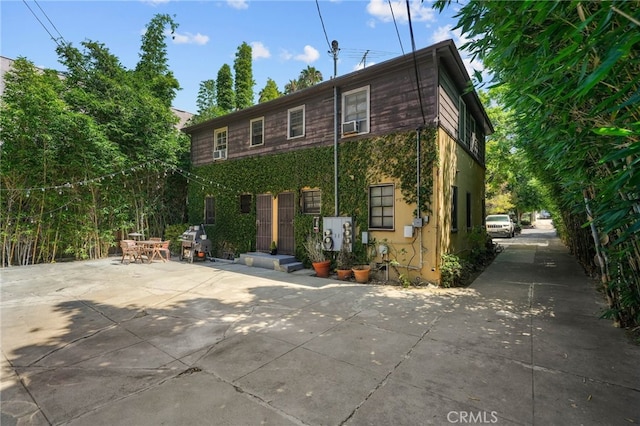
442	33
155	2
188	38
447	32
258	50
238	4
310	55
285	55
420	12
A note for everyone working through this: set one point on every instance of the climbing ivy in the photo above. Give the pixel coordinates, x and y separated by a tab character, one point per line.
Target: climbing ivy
361	163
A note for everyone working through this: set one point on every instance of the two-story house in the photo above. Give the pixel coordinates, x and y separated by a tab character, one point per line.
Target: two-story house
388	159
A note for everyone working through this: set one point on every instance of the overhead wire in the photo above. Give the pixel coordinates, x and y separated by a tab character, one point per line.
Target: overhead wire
48	19
415	63
322	22
55	39
396	25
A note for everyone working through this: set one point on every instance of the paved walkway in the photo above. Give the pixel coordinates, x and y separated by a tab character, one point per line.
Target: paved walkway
100	343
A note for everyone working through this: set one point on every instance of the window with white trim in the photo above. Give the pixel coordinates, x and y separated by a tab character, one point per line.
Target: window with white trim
355	111
220	144
257	131
295	122
381	207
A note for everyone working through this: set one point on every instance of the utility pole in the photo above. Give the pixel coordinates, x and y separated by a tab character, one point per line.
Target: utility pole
334	51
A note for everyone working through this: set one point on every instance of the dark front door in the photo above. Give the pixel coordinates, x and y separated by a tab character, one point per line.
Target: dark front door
263	222
286	211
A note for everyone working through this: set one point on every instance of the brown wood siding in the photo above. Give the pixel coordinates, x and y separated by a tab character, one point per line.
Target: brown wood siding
448	107
202	147
394	106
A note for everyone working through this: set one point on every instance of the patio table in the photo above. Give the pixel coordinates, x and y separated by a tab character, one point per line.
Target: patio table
152	249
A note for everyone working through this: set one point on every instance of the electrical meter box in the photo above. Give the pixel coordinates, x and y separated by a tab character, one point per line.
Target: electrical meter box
337	231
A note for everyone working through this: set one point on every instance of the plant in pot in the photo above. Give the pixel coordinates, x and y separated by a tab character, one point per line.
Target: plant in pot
316	256
344	263
361	273
274	248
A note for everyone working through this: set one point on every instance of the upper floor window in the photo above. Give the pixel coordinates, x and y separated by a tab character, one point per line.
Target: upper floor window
462	121
311	201
296	122
381	207
257	131
355	112
220	144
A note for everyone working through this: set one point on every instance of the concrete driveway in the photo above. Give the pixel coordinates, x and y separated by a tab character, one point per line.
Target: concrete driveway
102	343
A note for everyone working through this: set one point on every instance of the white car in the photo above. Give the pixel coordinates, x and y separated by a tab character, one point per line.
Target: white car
500	225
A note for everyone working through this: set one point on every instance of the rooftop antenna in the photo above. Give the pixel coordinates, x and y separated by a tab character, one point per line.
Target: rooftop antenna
334	51
364	59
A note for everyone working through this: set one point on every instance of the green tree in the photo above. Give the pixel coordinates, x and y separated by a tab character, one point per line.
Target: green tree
309	77
244	77
224	89
269	92
571	73
206	103
103	136
510	184
291	87
153	67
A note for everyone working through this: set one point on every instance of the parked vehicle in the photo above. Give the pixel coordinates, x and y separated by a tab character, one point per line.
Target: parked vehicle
500	225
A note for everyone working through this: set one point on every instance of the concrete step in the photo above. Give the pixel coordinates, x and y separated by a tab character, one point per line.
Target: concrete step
278	262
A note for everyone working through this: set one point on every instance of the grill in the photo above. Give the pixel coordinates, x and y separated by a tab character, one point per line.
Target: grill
195	244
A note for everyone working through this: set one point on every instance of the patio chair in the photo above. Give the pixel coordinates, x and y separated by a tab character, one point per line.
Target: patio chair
129	250
165	249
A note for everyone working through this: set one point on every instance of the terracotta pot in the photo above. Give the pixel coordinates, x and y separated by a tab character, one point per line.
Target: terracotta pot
322	268
361	273
343	274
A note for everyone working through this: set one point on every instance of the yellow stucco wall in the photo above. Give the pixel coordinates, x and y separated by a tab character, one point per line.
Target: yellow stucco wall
420	254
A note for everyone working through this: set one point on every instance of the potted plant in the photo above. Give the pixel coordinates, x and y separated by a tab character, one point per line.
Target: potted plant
274	248
361	273
316	256
344	263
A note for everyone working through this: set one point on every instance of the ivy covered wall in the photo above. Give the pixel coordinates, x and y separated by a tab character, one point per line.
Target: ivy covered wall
361	162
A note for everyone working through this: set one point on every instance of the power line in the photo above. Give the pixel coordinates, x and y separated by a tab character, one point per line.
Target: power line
47	16
396	25
415	62
322	22
43	26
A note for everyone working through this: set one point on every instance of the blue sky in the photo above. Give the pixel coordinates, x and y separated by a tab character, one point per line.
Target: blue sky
286	36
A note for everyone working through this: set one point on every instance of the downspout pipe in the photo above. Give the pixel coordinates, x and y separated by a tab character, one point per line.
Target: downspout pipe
335	151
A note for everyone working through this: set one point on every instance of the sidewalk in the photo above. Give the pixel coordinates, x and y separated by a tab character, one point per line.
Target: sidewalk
100	343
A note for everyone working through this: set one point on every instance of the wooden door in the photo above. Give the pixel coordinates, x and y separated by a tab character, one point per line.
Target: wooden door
263	222
286	211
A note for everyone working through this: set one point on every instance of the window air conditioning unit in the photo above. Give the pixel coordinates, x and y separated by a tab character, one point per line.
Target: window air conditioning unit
349	127
220	154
